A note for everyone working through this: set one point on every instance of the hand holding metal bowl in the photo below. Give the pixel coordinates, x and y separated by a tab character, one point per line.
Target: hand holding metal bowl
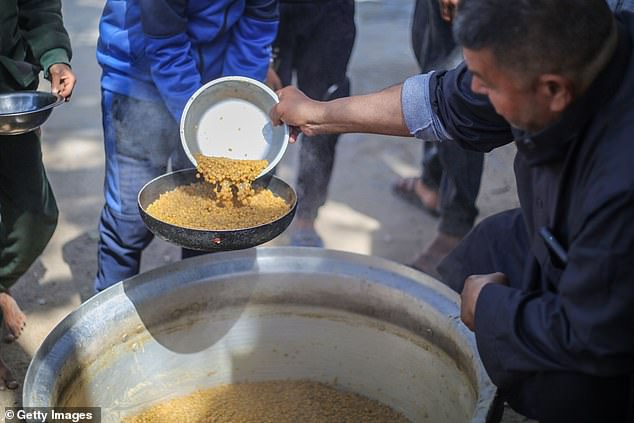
227	117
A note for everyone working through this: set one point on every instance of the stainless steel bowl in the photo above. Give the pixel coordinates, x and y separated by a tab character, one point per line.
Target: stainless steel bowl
25	111
229	117
360	323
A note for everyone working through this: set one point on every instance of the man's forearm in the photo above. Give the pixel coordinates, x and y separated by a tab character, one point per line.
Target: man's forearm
376	113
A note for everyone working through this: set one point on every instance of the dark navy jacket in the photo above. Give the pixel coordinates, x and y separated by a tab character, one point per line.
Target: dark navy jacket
575	177
166	49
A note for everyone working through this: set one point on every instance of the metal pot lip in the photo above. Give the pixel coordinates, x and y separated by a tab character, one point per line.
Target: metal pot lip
33	394
58	100
216	231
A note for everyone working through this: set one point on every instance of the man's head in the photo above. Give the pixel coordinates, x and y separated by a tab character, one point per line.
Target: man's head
534	57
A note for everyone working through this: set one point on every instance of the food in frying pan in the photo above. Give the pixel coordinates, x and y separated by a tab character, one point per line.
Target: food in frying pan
224	200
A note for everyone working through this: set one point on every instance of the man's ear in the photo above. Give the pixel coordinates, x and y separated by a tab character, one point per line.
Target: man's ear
556	90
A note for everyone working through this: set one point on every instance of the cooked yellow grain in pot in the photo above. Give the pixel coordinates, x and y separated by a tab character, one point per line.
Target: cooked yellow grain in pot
275	402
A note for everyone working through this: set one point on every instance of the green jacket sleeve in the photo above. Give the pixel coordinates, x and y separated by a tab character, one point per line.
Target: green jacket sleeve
42	27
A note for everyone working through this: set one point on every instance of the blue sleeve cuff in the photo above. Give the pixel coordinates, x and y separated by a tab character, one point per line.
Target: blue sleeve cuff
420	118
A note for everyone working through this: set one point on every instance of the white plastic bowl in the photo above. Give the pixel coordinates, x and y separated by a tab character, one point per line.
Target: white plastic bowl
229	117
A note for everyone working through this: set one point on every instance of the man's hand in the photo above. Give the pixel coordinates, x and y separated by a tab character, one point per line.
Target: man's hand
471	291
296	110
62	80
448	9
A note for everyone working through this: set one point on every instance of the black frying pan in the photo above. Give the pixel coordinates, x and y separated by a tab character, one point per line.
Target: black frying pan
221	240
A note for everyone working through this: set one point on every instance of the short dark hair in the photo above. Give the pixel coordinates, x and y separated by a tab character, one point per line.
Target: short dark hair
537	36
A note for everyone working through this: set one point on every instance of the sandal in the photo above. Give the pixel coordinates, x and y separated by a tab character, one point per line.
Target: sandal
405	188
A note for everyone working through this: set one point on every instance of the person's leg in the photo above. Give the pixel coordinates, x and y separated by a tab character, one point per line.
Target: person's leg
497	244
321	61
292	17
431	174
462	173
460	170
432	39
560	397
28	219
460	183
139	138
433	44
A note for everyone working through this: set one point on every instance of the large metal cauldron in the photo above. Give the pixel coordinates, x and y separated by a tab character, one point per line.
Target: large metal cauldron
361	323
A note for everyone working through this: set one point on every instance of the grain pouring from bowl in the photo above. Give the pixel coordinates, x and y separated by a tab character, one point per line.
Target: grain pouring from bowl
224	199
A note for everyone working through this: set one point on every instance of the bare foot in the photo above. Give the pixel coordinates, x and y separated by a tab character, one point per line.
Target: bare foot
7	381
14	319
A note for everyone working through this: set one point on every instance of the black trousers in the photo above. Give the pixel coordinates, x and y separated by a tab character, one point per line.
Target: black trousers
27	205
315	41
562	397
454	172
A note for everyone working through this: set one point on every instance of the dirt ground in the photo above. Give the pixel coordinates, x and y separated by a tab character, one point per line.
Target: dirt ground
362	215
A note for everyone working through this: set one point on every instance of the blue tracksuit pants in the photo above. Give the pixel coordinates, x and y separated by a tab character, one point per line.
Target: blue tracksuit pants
140	139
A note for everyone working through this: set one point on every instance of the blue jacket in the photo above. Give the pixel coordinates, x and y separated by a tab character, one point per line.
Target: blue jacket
166	49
